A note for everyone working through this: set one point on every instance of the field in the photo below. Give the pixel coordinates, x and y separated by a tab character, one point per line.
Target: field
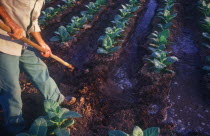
150	72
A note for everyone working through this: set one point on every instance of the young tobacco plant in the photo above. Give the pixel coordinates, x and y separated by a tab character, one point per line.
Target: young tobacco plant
58	119
137	131
160	60
56	122
159	38
61	35
107	46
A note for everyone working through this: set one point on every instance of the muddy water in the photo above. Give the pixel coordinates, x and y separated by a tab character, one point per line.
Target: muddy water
188	111
123	76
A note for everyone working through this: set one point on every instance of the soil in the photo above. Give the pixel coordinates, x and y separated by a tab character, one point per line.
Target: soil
119	91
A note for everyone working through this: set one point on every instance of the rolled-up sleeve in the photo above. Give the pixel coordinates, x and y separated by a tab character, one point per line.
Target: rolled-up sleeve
35	15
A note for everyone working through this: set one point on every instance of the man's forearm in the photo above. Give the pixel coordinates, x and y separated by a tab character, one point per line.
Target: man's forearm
4	15
37	36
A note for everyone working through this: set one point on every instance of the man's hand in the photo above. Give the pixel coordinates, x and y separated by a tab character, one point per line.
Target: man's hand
46	47
17	31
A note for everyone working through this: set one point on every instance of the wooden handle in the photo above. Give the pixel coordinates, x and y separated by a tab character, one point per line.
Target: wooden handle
29	42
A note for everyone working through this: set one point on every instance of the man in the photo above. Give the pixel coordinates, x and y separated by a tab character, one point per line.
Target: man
22	17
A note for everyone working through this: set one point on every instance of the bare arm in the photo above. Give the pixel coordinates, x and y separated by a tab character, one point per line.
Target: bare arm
17	31
37	36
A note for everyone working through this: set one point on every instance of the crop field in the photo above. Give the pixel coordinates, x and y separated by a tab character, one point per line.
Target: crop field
142	67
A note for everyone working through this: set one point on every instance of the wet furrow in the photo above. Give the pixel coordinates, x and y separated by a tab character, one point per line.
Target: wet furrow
123	75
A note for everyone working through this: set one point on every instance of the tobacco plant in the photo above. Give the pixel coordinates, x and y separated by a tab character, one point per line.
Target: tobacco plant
160	60
61	35
137	131
55	122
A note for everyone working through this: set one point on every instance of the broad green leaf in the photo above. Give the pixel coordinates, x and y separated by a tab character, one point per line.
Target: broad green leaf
55	38
117	133
107	41
50	105
137	131
114	49
51	114
67	123
153	131
158	64
156	54
62	111
62	132
71	114
170	60
102	51
39	127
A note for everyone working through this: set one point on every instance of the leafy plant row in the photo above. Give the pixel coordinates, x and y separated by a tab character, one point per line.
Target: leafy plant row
204	6
160	58
50	12
67	33
137	131
54	123
113	34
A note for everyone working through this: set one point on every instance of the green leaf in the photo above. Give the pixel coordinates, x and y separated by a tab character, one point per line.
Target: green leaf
71	114
137	131
114	49
39	127
62	132
117	133
51	114
153	131
50	105
67	123
170	60
158	64
102	51
107	41
61	112
55	38
156	54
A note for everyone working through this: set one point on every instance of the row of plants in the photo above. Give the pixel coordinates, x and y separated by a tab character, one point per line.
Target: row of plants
137	131
204	6
51	12
66	33
54	123
57	120
113	34
160	57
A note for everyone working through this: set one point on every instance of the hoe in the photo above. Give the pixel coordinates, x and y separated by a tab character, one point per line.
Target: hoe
25	40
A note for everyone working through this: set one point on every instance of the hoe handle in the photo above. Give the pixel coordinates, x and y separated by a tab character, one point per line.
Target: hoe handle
29	42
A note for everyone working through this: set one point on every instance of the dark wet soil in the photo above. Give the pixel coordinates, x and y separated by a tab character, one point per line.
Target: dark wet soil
189	111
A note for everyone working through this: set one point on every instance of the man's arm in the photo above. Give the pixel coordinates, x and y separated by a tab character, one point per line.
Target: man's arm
37	36
17	31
